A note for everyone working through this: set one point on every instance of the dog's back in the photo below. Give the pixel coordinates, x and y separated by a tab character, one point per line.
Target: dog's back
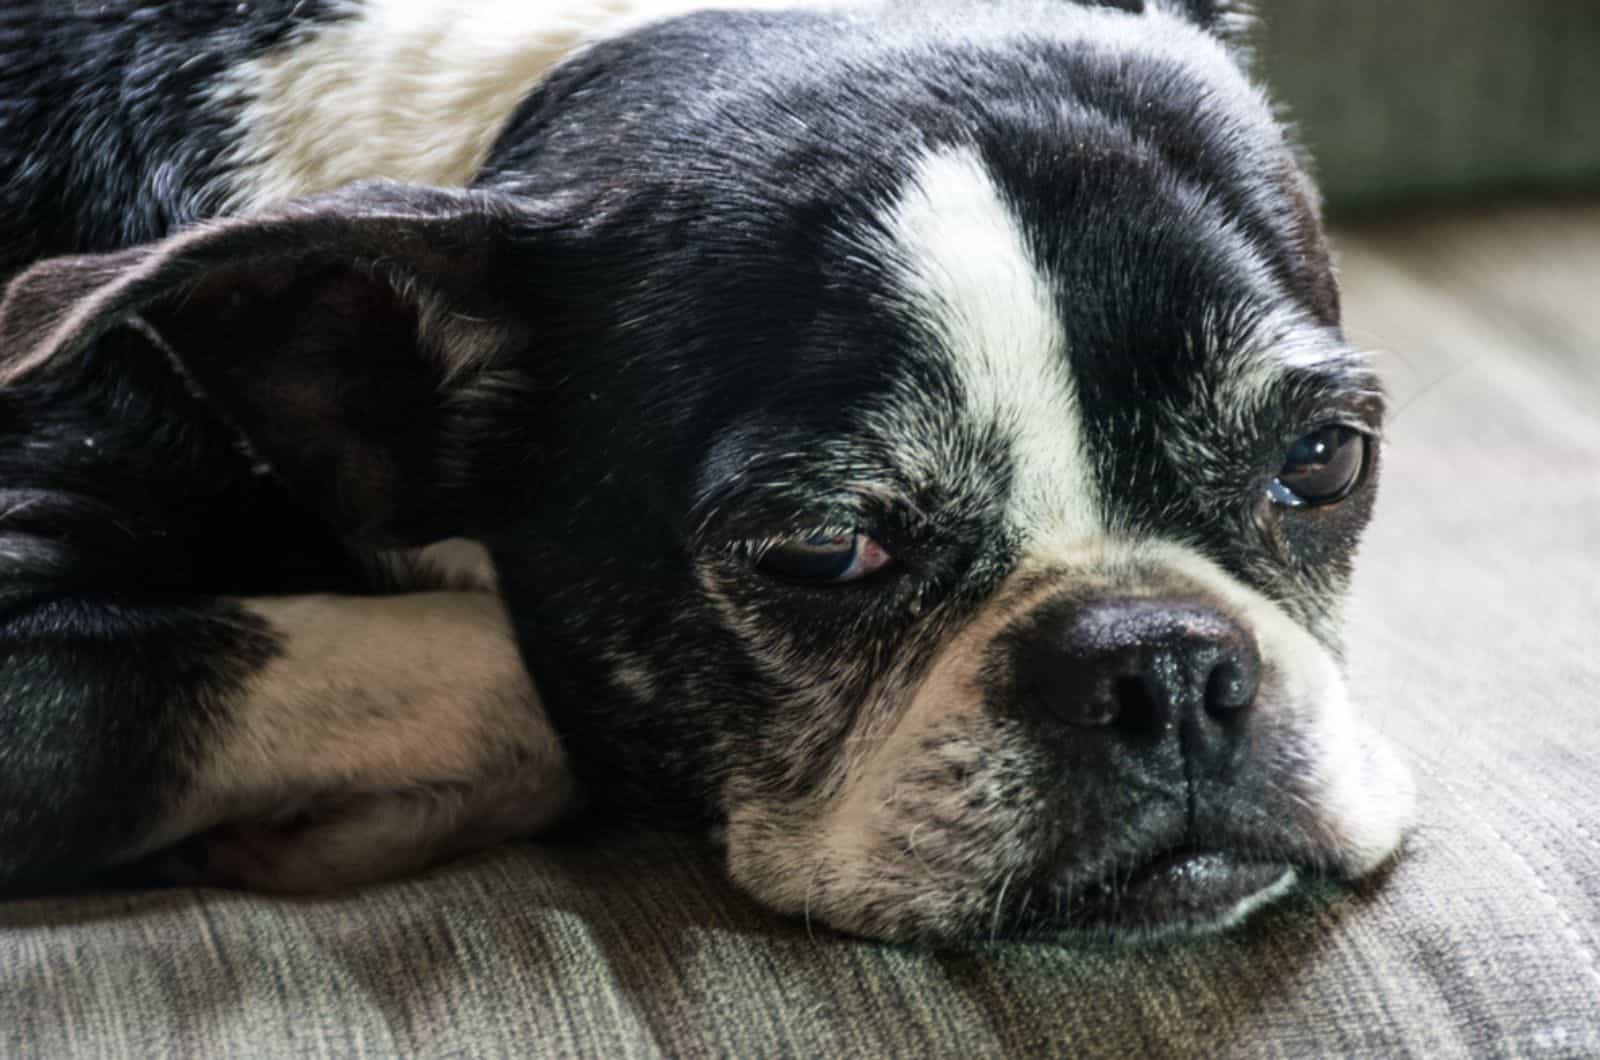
112	128
121	121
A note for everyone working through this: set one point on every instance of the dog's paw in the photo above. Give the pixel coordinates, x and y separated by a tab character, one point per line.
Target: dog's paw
304	855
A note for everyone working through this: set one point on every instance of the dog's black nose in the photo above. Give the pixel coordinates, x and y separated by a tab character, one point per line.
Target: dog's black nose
1142	666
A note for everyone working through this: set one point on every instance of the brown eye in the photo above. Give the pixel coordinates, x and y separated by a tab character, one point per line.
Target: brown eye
826	557
1321	468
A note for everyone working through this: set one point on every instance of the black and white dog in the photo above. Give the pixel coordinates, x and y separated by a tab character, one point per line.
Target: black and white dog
914	439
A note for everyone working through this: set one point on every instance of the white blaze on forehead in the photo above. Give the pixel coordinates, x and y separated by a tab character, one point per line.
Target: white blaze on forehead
411	90
967	268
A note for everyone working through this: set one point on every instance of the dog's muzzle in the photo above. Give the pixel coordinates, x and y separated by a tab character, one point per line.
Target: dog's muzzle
1155	695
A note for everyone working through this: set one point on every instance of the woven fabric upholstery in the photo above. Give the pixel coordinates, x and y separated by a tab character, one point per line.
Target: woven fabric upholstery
1459	97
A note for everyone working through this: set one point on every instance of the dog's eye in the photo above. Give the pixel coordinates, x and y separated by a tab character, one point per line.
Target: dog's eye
828	556
1321	468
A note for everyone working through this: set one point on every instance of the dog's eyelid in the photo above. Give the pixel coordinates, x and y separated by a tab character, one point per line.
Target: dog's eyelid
1327	402
754	548
1361	401
1305	425
753	539
755	515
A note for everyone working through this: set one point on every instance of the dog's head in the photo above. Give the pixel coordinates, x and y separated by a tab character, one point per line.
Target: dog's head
922	446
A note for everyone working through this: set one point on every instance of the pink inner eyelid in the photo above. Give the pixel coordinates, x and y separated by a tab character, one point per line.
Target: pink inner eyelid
870	557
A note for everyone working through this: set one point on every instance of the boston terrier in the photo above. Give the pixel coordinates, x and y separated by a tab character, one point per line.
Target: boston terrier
911	440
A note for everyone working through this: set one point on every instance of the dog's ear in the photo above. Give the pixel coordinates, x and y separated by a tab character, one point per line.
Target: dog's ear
363	345
1228	19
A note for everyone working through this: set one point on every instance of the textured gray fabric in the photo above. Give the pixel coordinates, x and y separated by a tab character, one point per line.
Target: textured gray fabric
1474	627
1400	99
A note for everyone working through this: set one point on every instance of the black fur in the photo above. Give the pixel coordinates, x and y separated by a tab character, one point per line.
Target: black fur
106	693
105	139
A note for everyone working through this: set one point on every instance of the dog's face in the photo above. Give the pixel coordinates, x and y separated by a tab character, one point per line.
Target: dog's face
932	456
969	527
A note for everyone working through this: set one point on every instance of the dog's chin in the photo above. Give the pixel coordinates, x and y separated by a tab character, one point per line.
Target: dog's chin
1173	893
1168	897
1163	892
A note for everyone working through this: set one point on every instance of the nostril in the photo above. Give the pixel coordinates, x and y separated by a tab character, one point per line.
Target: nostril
1140	667
1140	705
1233	684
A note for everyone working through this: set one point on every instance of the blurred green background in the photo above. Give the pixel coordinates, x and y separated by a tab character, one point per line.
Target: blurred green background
1456	98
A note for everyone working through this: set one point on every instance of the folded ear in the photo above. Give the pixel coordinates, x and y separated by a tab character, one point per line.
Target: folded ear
362	345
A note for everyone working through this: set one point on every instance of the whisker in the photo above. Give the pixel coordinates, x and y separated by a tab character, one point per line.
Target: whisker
999	902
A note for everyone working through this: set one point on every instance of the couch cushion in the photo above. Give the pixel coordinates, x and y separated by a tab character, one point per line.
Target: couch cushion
1405	99
1474	645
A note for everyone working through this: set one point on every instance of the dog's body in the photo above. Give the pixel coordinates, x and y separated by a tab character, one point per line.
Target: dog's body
915	438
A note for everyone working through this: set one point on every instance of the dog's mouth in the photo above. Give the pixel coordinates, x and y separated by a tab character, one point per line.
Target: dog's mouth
1185	888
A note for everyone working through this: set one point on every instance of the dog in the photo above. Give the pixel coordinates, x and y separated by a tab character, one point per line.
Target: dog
913	441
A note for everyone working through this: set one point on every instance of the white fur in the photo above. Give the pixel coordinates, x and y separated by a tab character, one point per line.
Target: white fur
410	717
454	563
409	90
1365	796
1246	907
964	262
635	676
461	564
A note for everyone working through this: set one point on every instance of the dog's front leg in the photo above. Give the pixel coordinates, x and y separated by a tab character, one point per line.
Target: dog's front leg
387	732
